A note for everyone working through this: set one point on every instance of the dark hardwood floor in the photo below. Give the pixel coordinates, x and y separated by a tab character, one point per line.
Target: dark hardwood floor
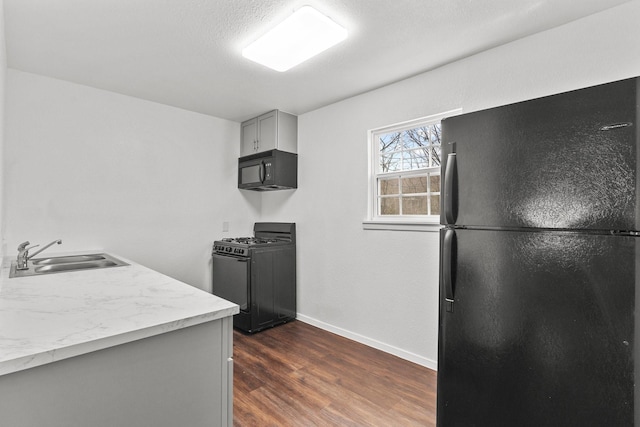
299	375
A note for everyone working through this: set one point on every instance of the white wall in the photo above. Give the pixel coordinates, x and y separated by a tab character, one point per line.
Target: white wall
3	73
101	170
381	287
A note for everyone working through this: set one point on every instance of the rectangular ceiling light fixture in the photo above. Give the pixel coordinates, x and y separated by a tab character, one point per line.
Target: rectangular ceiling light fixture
301	36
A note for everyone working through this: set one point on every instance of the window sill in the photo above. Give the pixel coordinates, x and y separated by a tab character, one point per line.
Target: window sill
400	225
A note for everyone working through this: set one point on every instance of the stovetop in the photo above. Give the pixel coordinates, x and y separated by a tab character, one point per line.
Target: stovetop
266	235
249	241
241	245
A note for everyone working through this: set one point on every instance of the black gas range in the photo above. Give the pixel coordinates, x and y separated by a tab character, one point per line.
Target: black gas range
259	274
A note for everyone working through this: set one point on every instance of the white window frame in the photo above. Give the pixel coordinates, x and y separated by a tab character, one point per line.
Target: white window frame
398	222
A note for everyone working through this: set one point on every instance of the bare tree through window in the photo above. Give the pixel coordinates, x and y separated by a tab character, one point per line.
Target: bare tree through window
408	171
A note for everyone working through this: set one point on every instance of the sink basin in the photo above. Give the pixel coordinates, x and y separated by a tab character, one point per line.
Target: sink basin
67	263
53	268
67	259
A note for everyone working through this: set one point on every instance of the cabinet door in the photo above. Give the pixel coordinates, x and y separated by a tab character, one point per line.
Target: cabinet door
263	286
268	131
227	372
249	138
167	380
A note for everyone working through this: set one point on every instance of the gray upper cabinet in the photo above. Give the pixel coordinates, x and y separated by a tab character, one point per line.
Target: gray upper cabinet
272	130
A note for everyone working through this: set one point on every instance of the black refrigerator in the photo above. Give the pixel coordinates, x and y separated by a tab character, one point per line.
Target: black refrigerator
539	262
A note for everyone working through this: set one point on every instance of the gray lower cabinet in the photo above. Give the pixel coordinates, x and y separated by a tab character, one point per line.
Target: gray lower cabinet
180	378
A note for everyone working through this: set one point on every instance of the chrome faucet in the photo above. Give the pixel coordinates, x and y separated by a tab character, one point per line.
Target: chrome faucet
23	253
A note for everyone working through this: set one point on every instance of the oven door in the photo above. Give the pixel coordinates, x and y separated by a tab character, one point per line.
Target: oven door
231	279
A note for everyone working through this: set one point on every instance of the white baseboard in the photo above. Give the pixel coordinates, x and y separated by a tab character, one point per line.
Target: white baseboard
403	354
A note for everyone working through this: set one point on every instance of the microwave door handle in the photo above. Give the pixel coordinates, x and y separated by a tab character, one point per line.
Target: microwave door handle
262	172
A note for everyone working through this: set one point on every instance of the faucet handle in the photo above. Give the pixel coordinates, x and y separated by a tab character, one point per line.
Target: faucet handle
22	247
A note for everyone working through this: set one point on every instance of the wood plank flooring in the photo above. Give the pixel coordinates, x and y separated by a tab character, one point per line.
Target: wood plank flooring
299	375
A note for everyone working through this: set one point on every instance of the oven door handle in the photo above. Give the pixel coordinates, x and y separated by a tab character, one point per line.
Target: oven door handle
232	256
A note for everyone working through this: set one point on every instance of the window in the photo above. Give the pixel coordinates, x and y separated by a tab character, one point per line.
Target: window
405	172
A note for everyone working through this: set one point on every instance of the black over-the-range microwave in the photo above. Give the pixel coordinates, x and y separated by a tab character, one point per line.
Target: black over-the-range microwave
269	170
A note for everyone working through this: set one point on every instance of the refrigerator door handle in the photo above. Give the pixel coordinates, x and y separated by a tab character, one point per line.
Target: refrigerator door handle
450	197
448	266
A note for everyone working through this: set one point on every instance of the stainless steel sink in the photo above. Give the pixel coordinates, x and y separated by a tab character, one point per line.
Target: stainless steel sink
68	259
53	268
68	263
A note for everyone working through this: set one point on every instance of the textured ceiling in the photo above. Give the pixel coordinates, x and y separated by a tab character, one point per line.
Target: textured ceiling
186	53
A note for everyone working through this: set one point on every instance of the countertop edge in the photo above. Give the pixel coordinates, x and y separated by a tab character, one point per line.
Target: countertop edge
54	355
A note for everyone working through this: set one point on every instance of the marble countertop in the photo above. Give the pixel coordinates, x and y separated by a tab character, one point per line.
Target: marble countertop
56	316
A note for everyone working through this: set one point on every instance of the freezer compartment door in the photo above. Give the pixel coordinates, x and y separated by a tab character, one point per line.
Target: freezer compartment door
536	329
562	161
